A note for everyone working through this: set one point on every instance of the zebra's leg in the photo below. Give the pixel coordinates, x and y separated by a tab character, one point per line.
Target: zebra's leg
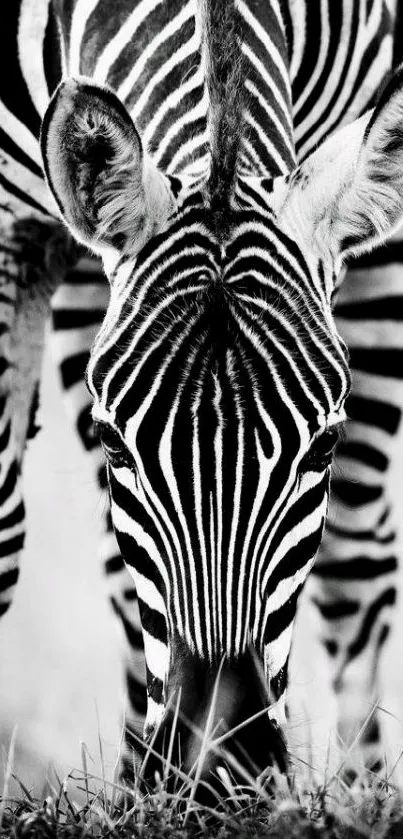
78	309
34	255
354	582
354	590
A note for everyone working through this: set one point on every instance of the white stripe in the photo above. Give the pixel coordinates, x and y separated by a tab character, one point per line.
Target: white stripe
271	116
304	528
272	51
198	497
156	259
165	458
125	34
147	591
81	14
261	70
277	652
31	34
265	140
322	56
20	134
157	655
298	9
198	112
125	524
155	714
191	149
218	454
266	466
107	547
147	53
232	584
371	333
171	104
8	563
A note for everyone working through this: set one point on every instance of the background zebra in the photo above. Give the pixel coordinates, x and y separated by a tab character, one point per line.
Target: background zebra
364	62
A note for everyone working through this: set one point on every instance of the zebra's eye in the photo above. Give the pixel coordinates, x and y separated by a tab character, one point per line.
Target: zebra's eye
319	456
113	445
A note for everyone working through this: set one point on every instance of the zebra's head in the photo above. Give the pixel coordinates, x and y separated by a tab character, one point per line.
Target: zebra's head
218	376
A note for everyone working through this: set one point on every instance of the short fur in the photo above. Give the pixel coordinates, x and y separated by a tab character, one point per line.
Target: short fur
225	84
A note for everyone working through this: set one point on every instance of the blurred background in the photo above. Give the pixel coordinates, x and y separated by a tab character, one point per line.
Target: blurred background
60	646
60	670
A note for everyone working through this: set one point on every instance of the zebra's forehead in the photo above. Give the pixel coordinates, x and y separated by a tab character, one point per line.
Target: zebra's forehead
199	309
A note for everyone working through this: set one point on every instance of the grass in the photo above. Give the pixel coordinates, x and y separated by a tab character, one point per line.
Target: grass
369	810
298	807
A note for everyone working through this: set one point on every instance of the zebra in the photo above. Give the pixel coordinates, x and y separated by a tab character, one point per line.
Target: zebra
247	151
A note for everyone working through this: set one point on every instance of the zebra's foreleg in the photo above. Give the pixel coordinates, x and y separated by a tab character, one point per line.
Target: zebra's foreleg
355	577
34	256
353	589
78	309
354	582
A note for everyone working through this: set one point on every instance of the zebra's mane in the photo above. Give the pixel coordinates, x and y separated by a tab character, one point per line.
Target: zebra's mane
225	84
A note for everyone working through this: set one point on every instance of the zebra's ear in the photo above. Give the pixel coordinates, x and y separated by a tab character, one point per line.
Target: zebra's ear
351	188
108	191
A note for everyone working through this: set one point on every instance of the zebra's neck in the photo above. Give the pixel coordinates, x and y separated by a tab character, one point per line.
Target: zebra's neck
238	80
249	90
340	54
215	72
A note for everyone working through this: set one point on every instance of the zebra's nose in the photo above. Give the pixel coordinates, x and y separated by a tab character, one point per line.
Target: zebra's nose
217	717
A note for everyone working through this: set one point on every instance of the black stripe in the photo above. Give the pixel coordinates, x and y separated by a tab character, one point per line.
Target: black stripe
361	535
51	52
279	620
13	90
355	494
114	564
337	609
278	683
133	635
13	518
77	318
9	483
137	695
17	153
154	622
363	453
72	369
380	361
8	579
359	568
12	546
155	687
10	187
377	308
387	598
86	429
386	254
373	412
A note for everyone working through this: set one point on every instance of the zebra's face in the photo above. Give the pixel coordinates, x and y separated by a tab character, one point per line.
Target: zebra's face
218	377
219	383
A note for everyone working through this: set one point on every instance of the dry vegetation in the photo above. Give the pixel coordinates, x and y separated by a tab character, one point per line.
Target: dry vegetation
83	805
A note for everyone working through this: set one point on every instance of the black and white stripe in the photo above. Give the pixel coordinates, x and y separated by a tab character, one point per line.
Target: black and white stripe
218	369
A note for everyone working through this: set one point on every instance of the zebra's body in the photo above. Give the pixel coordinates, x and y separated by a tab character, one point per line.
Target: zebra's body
306	71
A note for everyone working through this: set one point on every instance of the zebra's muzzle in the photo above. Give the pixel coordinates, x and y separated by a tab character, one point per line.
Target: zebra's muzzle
217	718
